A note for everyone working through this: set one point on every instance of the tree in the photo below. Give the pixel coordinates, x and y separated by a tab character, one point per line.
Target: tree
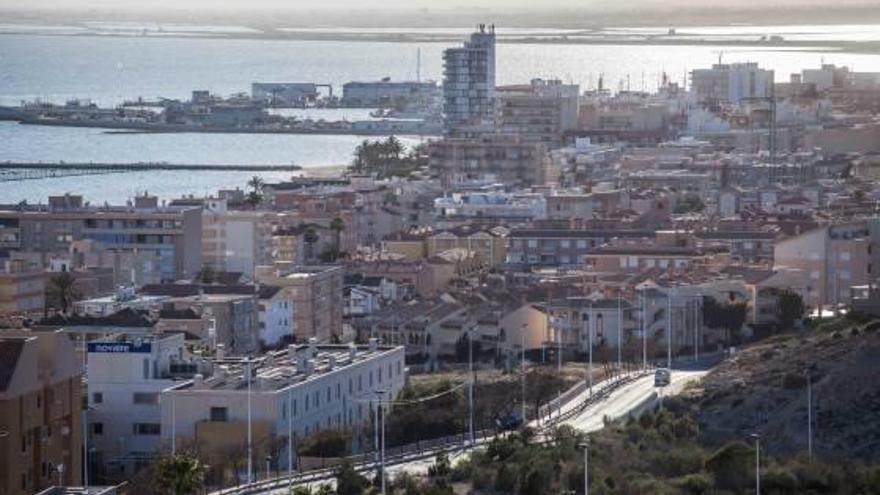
337	226
690	204
730	316
62	285
349	481
180	474
789	308
255	195
207	275
310	237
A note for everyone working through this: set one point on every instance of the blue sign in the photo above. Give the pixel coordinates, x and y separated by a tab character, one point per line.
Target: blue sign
120	347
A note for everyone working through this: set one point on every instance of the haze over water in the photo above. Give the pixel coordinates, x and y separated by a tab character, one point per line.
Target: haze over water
109	70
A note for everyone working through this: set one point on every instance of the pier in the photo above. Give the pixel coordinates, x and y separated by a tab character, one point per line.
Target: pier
19	171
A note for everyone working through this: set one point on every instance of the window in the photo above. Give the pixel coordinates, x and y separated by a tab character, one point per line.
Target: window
582	244
564	243
146	429
146	369
219	414
98	428
145	398
97	397
533	243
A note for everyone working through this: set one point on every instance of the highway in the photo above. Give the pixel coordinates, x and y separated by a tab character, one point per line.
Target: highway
612	402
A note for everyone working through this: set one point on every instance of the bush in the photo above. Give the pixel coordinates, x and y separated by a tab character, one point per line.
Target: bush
779	480
327	443
732	467
696	484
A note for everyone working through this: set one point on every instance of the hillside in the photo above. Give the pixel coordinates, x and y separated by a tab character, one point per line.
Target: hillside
764	388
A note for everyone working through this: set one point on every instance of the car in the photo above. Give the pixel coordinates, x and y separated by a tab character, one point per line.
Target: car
662	377
509	423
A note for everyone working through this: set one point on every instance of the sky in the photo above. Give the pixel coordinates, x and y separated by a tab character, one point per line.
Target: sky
288	5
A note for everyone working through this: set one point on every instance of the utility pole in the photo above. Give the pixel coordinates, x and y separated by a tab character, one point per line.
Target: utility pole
669	329
85	433
809	414
644	311
620	332
250	451
470	388
757	438
590	350
382	456
522	367
586	446
290	453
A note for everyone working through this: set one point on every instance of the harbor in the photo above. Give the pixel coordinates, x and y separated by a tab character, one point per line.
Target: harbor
19	171
409	108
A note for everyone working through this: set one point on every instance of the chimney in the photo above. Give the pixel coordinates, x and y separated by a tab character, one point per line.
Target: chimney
220	352
331	361
352	351
198	381
374	344
313	347
291	353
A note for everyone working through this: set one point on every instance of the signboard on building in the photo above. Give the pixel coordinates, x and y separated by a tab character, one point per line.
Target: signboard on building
120	347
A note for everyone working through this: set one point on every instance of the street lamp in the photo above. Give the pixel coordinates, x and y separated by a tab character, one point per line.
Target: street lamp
268	466
381	394
522	367
470	336
585	445
757	438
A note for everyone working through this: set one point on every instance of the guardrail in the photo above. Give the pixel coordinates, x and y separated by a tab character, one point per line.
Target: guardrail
426	449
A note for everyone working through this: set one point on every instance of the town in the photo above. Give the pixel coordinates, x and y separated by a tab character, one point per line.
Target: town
552	260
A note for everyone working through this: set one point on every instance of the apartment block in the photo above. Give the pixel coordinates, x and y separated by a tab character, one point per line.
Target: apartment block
170	238
316	295
40	412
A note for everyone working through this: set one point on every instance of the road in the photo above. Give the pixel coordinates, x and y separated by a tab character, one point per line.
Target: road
631	397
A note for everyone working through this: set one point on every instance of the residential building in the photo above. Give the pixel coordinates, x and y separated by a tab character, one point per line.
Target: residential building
469	83
126	375
316	294
832	259
732	83
40	411
562	247
489	159
22	287
275	316
542	111
169	237
306	388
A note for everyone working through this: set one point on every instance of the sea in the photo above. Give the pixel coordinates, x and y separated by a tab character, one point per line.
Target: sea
109	68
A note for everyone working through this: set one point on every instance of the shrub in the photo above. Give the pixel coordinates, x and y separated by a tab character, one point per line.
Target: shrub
779	480
696	483
732	467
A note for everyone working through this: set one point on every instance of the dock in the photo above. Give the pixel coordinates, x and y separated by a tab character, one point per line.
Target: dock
20	171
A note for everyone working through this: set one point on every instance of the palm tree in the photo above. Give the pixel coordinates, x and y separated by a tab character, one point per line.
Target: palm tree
393	147
337	225
310	237
255	196
63	287
180	474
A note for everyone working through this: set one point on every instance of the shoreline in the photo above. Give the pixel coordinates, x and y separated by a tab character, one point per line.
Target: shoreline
578	37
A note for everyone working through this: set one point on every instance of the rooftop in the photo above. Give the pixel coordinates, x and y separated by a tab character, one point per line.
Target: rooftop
278	370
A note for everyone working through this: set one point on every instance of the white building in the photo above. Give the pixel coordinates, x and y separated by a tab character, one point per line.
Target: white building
234	240
492	205
125	377
469	82
323	386
125	298
275	315
732	83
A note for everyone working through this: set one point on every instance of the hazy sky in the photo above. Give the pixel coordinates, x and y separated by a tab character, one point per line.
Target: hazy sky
292	5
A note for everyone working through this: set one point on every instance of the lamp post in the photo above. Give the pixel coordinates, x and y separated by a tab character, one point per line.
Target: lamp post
290	437
669	297
381	393
619	336
590	348
250	453
809	414
268	466
585	445
757	438
522	367
644	307
470	335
